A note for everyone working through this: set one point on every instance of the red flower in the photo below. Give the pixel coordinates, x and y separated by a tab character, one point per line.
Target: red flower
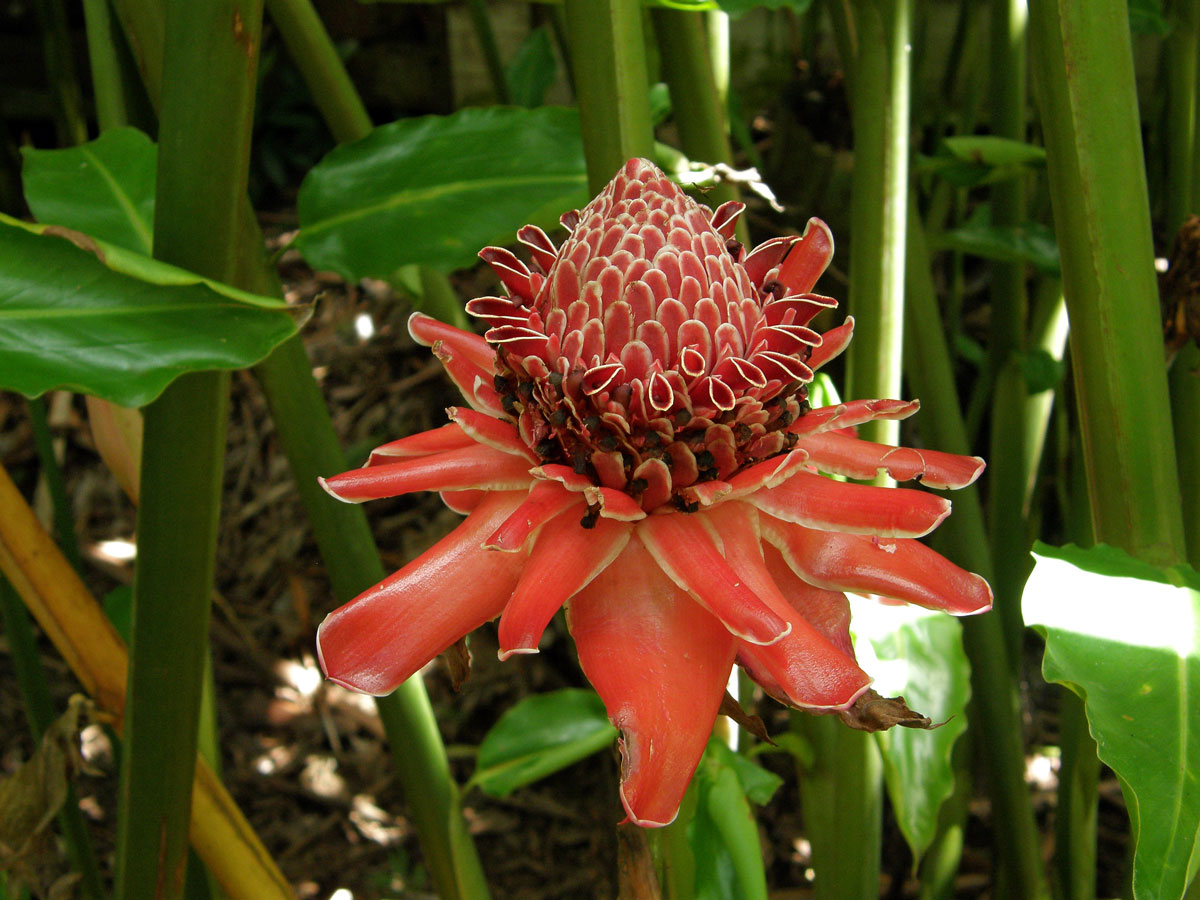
639	446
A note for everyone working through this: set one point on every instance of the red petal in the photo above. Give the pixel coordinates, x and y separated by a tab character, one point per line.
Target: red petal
387	633
546	500
808	258
465	345
565	557
477	466
819	502
901	568
462	502
766	474
489	430
660	663
438	440
845	455
806	666
684	549
833	342
853	412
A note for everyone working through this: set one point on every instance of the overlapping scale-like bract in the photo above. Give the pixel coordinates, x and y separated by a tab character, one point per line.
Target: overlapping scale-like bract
639	446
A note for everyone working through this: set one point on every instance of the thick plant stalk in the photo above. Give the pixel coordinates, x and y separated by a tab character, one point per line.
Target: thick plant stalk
846	836
341	531
118	94
843	808
1182	189
699	113
39	710
53	592
1084	68
996	713
60	71
211	53
608	54
1008	529
879	203
481	23
314	54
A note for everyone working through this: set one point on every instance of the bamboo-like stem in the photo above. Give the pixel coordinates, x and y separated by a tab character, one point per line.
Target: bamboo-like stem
608	50
1008	528
53	592
699	112
843	808
996	705
1084	67
118	94
211	54
879	203
316	57
39	711
481	23
716	26
1182	186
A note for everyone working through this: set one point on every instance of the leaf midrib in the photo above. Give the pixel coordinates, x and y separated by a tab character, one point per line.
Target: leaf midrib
140	226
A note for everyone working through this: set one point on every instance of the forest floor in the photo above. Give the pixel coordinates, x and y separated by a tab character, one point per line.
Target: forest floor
307	761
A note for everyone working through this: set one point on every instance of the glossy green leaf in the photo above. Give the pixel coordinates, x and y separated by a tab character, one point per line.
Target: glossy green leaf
916	654
115	324
539	736
437	189
757	783
104	188
989	150
1031	243
1125	636
532	70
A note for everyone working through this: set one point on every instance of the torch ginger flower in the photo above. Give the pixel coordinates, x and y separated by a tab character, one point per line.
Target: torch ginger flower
638	446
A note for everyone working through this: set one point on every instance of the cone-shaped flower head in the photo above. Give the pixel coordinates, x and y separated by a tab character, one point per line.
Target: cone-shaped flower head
638	445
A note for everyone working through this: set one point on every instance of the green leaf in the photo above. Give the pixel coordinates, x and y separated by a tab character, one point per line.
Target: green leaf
437	189
989	150
1146	17
916	654
738	7
757	783
1041	370
532	70
104	188
1031	243
723	834
539	736
92	317
1125	636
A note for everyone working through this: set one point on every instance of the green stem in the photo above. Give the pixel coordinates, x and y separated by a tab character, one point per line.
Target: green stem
1075	824
210	57
879	204
941	863
1084	67
313	53
610	80
481	22
119	96
843	808
39	710
1181	66
995	701
678	870
699	113
64	521
1009	530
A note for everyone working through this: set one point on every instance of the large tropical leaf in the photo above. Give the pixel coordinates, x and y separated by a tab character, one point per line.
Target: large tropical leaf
539	736
1125	636
104	188
916	654
435	190
93	317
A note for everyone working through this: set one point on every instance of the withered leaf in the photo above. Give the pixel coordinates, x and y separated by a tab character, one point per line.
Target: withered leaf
458	662
753	724
873	712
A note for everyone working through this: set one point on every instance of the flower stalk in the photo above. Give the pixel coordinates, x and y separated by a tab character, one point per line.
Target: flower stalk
1084	68
204	141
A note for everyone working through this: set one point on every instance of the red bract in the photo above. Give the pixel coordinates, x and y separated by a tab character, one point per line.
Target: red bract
639	447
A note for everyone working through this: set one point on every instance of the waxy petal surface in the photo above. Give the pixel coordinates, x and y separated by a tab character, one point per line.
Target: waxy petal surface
840	454
477	467
660	663
384	635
